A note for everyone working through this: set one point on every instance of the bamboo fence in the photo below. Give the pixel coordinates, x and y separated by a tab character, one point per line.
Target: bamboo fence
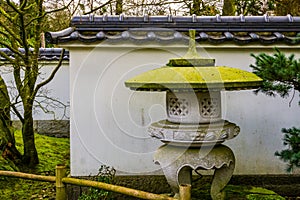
60	180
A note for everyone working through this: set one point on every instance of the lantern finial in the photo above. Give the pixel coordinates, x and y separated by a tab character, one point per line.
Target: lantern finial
191	58
192	51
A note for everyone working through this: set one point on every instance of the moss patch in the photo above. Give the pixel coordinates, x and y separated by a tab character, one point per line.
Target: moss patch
263	194
197	78
237	192
52	151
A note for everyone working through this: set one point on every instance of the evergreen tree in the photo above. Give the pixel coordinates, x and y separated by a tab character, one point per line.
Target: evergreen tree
281	75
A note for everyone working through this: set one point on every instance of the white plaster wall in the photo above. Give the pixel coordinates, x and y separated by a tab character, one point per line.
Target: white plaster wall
57	89
109	121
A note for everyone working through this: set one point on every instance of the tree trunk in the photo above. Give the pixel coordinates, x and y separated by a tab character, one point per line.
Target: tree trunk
228	8
7	140
119	7
30	157
7	144
196	7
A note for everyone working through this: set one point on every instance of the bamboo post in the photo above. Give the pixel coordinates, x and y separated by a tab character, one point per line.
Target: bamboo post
185	192
60	172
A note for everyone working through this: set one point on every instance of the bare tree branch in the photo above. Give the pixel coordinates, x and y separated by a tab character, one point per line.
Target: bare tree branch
9	59
99	7
14	7
17	112
155	4
48	12
59	9
7	16
48	103
17	76
75	9
13	107
24	40
24	3
10	32
52	74
12	49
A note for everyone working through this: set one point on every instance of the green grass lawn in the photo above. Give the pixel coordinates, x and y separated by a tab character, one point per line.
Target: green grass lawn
52	151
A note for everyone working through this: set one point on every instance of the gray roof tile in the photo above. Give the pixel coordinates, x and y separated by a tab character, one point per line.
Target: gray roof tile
46	54
211	29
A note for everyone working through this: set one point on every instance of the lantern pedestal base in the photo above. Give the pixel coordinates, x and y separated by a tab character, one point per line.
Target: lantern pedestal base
178	164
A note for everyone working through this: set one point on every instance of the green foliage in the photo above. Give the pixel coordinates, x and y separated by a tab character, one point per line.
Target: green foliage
281	75
253	7
106	174
200	7
284	7
292	154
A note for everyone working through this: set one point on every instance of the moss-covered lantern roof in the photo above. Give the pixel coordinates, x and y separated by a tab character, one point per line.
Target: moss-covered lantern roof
193	72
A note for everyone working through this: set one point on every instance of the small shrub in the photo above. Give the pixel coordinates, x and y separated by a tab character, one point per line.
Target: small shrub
106	174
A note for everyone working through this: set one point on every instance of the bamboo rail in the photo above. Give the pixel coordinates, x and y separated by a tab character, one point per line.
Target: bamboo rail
28	176
116	188
60	180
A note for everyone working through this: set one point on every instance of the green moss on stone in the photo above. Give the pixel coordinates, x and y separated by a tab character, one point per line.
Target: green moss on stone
194	78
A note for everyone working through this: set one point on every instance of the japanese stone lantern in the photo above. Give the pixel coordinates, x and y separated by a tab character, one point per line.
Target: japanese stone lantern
193	85
193	88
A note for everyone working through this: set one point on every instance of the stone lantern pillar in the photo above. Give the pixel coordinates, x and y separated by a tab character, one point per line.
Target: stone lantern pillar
194	128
